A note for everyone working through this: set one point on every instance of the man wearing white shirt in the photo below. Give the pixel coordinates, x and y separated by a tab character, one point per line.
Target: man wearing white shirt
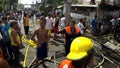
62	22
81	26
49	24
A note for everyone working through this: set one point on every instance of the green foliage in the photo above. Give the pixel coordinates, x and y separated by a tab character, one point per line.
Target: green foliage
12	2
1	8
53	4
57	3
76	1
7	3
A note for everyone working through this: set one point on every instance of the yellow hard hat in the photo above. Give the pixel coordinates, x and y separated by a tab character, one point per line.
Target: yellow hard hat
79	48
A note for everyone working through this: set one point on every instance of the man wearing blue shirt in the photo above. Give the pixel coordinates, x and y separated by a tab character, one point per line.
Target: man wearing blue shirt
94	25
7	44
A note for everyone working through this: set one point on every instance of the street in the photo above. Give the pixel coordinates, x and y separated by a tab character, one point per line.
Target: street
98	20
58	45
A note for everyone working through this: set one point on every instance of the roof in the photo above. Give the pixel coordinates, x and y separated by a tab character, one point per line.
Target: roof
84	5
81	5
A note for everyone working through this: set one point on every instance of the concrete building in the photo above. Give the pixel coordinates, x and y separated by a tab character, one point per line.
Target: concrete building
85	7
101	7
88	1
109	7
117	2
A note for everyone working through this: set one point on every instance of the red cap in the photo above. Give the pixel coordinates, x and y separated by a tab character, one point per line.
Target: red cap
41	17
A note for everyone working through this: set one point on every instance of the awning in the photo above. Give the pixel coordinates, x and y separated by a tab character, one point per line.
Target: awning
84	5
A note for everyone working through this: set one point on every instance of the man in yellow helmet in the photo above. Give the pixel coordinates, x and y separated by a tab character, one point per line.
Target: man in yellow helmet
80	55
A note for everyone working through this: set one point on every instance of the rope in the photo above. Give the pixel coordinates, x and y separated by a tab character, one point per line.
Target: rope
29	43
25	58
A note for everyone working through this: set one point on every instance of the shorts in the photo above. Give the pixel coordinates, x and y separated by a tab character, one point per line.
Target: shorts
55	29
42	51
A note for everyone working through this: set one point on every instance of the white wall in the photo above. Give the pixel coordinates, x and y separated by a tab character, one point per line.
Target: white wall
88	1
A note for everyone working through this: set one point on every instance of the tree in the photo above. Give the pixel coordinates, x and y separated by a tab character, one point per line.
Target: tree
3	3
7	4
67	10
75	1
50	5
55	3
13	3
1	7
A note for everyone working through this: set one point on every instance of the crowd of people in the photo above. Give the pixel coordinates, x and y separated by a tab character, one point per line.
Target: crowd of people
10	34
78	48
10	38
69	32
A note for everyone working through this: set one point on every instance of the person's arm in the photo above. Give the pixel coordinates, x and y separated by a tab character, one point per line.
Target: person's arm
3	33
47	36
62	31
14	36
65	22
56	19
23	20
52	22
33	35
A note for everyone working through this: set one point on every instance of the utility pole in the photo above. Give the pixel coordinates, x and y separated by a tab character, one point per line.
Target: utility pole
67	10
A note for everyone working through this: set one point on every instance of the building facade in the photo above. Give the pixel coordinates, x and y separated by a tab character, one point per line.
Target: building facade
109	7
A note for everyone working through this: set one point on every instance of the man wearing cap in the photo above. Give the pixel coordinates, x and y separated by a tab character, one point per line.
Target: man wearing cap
81	54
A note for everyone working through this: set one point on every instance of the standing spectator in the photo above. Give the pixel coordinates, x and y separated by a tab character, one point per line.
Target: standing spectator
113	22
56	24
81	26
18	29
70	32
26	23
49	25
84	22
62	22
42	42
94	25
1	42
7	50
15	41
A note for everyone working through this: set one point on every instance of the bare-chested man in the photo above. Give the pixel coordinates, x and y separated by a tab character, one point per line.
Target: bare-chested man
42	42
